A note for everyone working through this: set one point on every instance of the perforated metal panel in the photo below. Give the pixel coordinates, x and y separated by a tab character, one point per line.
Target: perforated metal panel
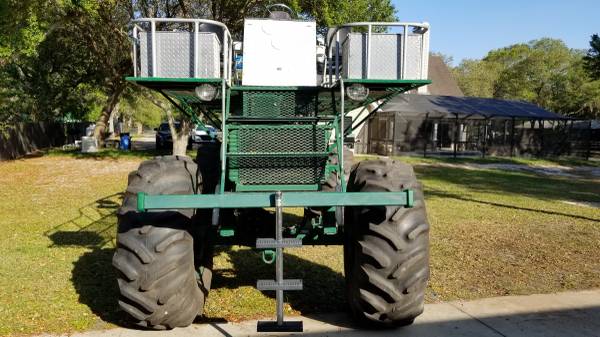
175	55
278	154
279	104
386	56
280	171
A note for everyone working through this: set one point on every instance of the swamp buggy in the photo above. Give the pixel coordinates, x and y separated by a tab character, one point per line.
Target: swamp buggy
286	108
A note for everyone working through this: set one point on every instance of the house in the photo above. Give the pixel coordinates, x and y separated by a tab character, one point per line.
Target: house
440	120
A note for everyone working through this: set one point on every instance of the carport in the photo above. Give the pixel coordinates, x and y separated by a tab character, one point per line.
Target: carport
453	125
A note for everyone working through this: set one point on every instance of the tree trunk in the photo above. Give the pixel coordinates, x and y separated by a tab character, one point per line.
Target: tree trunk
111	103
112	120
181	136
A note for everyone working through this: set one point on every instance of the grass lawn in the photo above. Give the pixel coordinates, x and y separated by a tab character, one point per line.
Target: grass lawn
493	233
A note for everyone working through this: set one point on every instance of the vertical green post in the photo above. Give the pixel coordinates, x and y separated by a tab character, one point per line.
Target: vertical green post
224	115
339	131
141	202
410	198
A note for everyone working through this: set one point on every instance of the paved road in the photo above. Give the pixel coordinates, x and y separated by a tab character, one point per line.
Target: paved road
571	314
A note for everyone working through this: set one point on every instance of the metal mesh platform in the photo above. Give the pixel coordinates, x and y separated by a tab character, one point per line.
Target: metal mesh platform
279	104
278	154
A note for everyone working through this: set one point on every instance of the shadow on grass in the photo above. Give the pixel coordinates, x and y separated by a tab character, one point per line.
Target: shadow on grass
448	195
513	183
93	227
323	290
94	278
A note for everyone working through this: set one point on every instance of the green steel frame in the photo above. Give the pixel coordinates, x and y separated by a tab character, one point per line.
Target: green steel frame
331	108
267	199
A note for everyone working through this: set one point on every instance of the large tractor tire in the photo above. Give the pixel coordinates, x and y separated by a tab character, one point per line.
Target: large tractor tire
386	252
208	158
155	258
331	183
333	180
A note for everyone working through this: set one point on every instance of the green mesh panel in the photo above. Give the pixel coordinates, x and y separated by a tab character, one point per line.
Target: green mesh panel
280	170
279	104
278	154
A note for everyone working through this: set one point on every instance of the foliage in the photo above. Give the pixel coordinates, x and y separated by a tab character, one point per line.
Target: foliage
326	13
63	58
545	72
135	106
592	59
48	68
24	25
477	78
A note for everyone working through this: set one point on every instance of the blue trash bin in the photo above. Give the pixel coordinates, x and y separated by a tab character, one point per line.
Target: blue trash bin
125	143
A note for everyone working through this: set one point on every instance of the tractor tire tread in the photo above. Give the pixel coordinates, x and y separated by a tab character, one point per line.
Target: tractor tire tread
387	247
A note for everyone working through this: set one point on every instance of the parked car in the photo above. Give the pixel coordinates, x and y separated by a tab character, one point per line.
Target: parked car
164	138
206	134
199	134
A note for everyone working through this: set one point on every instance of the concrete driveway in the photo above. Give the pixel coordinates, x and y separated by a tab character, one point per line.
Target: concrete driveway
571	314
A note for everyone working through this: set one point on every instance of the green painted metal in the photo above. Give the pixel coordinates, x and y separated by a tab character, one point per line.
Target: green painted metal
226	233
268	256
332	230
225	145
276	139
267	199
280	103
410	198
339	144
277	154
190	112
276	187
141	201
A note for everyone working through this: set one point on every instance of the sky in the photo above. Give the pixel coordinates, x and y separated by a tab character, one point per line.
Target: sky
469	28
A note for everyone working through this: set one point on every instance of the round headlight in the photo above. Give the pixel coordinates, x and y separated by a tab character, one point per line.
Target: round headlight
357	92
206	92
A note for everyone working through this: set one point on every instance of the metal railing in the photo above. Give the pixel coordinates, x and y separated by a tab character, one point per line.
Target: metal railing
227	47
333	40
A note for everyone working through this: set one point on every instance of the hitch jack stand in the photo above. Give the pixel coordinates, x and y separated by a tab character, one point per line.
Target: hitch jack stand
279	284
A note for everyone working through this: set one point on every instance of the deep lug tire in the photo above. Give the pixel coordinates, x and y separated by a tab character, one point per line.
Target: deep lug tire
334	179
208	158
386	253
158	283
331	183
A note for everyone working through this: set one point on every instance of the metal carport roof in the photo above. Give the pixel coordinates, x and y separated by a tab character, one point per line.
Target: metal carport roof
434	106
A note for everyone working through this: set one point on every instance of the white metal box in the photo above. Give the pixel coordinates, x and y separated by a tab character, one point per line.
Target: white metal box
387	59
176	56
89	144
279	53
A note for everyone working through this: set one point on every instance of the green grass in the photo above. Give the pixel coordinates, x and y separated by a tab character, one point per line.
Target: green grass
493	233
562	161
110	153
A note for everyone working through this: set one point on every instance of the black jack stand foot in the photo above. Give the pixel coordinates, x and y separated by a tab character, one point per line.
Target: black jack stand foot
272	326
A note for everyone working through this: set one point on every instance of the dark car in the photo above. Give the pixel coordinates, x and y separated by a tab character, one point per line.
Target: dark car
164	138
